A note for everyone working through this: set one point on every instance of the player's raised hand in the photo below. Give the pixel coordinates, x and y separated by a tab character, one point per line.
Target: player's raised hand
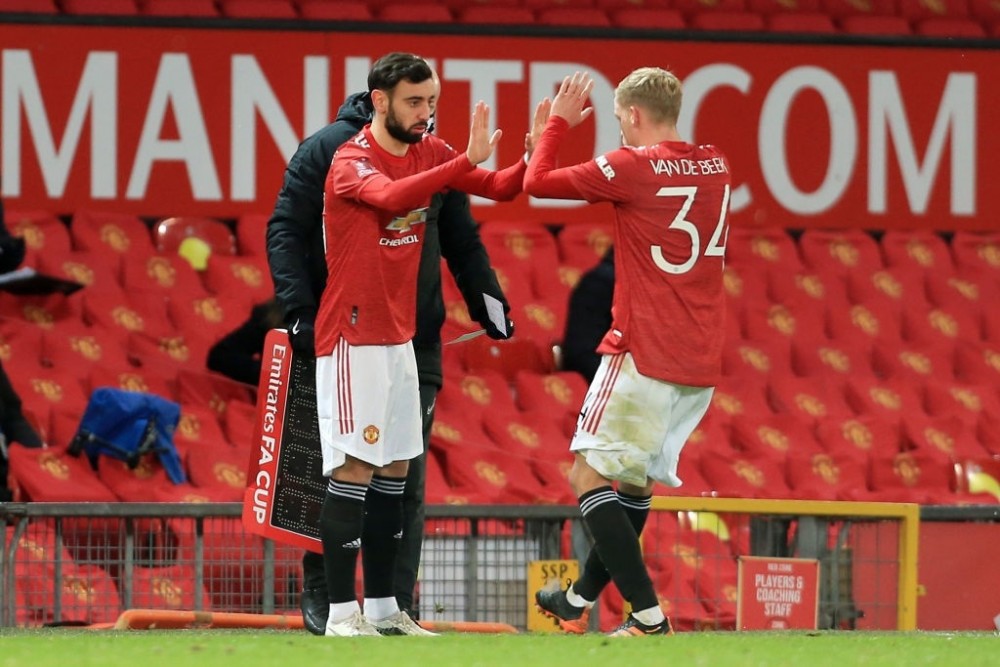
542	110
572	95
481	142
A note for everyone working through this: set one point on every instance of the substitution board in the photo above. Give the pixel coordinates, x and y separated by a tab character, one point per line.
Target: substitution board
285	482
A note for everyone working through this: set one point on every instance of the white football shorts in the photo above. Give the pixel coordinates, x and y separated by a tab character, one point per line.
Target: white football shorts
368	402
632	427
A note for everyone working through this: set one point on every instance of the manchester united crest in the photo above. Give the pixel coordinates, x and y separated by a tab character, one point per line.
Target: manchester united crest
370	434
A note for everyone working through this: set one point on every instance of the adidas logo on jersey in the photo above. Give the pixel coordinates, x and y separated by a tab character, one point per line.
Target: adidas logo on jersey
353	544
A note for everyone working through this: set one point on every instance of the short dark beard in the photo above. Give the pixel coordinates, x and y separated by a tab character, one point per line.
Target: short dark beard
398	132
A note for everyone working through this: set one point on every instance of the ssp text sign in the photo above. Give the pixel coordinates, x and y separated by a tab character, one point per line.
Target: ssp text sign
777	593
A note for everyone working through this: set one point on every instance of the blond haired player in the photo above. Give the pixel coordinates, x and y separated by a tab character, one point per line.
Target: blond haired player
662	355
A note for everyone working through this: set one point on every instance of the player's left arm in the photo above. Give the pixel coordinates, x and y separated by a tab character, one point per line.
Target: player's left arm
502	185
542	179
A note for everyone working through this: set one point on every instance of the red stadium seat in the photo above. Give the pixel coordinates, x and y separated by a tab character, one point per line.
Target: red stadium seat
455	429
544	322
912	477
918	249
986	11
570	4
689	7
875	25
497	474
418	12
840	8
831	359
165	275
840	252
808	291
473	394
554	283
610	5
122	234
951	27
887	290
977	251
42	311
248	276
52	475
978	363
127	313
728	21
28	7
822	476
335	10
801	23
948	438
197	427
194	239
744	284
210	317
762	247
893	400
220	468
968	402
151	381
76	350
163	354
740	476
806	399
757	359
964	290
864	324
506	356
94	269
21	340
211	390
941	325
918	10
584	244
769	7
187	8
859	437
658	18
170	588
774	437
100	7
519	244
576	17
258	9
532	435
44	234
496	15
913	361
555	393
737	396
765	321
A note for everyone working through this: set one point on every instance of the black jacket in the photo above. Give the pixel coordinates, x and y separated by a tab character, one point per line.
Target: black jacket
295	242
589	318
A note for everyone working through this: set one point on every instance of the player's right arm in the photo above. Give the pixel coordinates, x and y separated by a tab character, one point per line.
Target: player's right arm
353	176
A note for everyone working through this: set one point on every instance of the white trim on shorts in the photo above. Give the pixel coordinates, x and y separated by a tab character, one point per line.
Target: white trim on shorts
368	404
632	428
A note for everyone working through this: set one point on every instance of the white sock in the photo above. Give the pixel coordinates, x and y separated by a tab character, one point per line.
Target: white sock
377	609
651	616
341	611
577	600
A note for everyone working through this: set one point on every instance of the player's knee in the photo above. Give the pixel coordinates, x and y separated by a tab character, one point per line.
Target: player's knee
354	471
584	478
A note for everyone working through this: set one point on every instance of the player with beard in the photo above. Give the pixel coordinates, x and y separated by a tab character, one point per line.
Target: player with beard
377	195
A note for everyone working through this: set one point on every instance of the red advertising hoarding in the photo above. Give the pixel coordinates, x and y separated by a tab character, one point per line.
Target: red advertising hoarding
778	594
167	121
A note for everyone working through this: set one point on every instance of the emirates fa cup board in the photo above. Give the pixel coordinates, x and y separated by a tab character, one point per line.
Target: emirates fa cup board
285	483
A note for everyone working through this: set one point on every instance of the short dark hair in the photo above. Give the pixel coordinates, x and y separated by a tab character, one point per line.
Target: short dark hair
392	68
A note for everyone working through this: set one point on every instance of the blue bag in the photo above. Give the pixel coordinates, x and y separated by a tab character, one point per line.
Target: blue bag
125	425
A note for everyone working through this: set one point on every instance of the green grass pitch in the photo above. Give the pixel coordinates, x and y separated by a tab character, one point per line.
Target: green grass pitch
242	648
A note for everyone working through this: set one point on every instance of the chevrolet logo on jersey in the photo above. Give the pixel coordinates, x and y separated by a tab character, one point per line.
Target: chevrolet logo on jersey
404	223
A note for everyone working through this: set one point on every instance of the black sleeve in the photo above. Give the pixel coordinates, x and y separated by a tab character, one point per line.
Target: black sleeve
588	319
238	354
295	251
463	250
13	424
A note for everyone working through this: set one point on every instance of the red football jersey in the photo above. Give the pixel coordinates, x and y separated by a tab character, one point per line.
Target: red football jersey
374	209
671	222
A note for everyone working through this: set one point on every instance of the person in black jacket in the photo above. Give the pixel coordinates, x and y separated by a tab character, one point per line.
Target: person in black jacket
589	317
295	250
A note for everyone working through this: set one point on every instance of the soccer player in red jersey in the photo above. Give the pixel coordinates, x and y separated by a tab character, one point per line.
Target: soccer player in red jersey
662	356
377	193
